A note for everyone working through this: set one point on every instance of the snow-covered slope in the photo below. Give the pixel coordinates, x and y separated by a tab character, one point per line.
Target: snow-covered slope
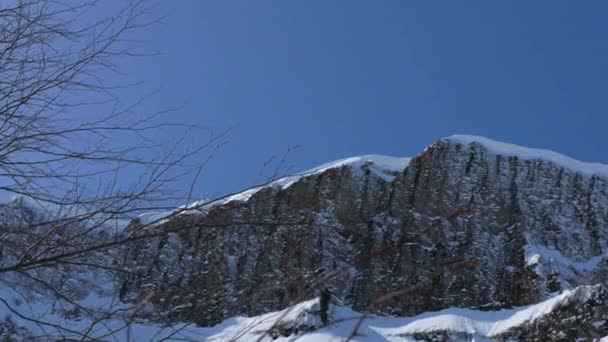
296	323
467	324
43	319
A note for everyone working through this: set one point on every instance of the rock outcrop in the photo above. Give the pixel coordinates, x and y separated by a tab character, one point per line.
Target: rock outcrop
464	224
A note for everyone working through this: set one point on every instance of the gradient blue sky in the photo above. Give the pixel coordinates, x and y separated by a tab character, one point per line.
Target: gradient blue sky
342	78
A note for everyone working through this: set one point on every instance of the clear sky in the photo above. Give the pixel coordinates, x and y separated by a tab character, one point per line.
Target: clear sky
343	78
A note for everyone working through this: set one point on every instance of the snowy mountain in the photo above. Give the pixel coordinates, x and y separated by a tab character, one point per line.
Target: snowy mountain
470	239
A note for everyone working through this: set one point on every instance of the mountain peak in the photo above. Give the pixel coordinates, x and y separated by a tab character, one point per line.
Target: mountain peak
506	149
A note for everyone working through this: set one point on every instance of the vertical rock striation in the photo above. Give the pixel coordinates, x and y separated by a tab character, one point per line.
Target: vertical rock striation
467	223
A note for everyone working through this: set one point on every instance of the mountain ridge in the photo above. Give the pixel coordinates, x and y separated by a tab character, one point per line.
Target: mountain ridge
459	226
388	165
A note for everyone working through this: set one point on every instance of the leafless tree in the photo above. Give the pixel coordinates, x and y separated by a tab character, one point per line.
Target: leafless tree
89	161
73	148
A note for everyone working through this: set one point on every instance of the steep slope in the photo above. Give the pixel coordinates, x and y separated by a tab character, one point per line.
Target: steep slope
468	222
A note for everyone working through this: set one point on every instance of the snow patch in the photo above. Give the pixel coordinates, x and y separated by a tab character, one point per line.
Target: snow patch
383	166
535	254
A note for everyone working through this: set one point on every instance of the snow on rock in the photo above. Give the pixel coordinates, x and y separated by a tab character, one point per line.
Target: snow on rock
539	254
452	205
506	149
384	167
482	323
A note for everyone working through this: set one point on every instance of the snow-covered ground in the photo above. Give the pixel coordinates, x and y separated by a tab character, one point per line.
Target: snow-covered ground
44	319
479	324
372	328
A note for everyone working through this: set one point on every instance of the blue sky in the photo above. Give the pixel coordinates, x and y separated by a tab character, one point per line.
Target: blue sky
343	78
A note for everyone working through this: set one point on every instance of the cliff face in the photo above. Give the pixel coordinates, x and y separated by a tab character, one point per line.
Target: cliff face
462	225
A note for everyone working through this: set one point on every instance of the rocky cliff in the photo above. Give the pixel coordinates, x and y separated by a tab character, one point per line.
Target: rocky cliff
468	222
